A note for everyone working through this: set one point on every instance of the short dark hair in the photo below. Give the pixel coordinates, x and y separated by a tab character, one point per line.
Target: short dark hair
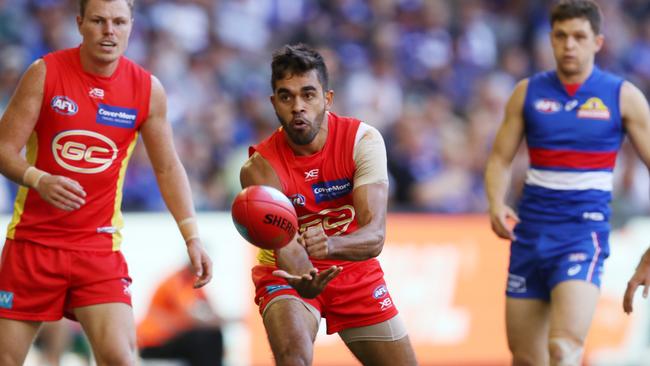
83	3
298	59
570	9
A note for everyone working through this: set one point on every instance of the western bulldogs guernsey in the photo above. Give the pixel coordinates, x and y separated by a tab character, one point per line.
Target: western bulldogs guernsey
320	185
87	128
573	142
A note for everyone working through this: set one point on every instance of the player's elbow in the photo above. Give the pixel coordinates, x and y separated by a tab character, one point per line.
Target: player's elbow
377	244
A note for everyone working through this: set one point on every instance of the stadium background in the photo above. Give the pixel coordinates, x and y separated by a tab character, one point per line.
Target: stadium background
432	75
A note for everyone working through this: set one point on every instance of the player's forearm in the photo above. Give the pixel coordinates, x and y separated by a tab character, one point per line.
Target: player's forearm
497	175
365	243
293	258
175	189
13	165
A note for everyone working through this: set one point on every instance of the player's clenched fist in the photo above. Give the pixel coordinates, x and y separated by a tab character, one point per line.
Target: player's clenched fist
315	241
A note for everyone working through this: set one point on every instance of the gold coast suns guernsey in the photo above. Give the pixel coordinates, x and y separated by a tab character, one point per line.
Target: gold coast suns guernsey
87	129
320	185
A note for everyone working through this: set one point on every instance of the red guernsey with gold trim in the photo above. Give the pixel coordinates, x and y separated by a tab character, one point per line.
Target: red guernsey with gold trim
87	129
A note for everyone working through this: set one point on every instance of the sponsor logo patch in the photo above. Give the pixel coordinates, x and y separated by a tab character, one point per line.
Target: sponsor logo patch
82	151
570	105
96	93
116	116
274	288
574	270
516	284
385	304
6	300
594	108
311	175
380	292
577	257
64	105
547	106
327	191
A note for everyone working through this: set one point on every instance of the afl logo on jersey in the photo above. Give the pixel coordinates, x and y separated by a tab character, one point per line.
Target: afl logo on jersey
548	106
82	151
64	105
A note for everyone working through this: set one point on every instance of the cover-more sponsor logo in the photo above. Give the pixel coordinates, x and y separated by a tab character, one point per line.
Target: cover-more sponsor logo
116	116
331	190
64	105
82	151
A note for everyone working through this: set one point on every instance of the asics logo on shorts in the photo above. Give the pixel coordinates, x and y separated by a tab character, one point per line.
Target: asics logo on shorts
6	300
574	270
82	151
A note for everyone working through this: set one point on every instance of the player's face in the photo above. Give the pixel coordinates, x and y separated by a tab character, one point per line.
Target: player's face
105	28
300	105
574	45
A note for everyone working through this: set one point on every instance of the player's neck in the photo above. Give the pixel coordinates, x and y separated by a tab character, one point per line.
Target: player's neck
97	68
313	147
578	78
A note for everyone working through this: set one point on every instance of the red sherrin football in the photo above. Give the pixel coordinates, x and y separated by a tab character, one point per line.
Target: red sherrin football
264	216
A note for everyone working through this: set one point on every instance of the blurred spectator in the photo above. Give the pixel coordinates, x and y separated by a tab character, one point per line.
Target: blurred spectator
180	324
390	59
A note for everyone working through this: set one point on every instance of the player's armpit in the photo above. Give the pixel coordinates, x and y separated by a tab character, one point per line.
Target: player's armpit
258	171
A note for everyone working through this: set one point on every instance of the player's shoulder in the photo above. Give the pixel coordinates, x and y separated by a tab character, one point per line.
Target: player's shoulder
257	170
367	132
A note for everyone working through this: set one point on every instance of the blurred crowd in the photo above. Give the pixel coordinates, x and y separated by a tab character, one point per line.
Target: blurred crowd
432	75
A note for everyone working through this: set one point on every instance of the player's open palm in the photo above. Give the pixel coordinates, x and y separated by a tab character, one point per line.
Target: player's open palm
61	192
310	284
315	242
498	220
640	278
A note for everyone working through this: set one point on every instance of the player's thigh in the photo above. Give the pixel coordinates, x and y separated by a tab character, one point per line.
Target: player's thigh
291	325
385	343
527	325
17	337
572	308
111	331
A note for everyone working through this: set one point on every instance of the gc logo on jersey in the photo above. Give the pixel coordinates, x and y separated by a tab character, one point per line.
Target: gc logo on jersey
594	108
82	151
64	105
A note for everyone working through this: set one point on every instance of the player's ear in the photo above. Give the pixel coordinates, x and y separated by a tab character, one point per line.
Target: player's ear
329	99
79	21
600	40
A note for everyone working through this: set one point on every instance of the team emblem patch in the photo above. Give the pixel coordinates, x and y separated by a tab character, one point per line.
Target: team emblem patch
64	105
594	108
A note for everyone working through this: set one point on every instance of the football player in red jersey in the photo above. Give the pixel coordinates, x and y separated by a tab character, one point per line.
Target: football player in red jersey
79	112
334	169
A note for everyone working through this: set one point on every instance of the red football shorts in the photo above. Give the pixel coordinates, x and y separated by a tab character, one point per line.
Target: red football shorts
357	297
43	284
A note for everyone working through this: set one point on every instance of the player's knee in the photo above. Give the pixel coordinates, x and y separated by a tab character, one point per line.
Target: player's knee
293	359
565	351
117	357
9	360
522	359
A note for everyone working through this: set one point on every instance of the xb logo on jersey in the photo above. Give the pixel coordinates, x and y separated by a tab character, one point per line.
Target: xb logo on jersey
64	105
311	175
83	151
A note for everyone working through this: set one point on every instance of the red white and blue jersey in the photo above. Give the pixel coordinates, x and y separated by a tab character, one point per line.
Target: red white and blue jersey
572	141
86	130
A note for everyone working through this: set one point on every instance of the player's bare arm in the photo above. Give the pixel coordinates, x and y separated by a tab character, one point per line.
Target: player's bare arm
16	127
292	259
636	120
497	170
172	180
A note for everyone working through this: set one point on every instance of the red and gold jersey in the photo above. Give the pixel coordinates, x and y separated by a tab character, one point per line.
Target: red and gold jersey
87	129
320	185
